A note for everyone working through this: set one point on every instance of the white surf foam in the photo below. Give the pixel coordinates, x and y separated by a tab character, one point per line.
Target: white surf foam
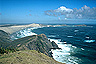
89	41
69	36
64	54
24	33
51	36
76	30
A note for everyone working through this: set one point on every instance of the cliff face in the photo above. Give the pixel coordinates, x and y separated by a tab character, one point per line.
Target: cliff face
4	39
40	43
36	42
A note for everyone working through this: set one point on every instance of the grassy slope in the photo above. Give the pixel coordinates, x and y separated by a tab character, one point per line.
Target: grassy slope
27	57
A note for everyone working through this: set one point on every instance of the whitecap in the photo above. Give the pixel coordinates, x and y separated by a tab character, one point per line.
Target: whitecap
82	48
74	46
51	36
76	30
87	37
89	41
69	36
64	42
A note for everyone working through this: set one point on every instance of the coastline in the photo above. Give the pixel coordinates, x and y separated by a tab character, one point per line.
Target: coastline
14	28
64	47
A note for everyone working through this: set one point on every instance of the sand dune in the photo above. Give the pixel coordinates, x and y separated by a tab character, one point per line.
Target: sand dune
12	29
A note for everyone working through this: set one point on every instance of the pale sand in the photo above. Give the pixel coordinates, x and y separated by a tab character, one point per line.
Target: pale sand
13	29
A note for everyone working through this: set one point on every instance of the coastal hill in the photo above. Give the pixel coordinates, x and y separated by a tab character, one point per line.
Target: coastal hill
27	57
26	46
4	39
35	42
31	50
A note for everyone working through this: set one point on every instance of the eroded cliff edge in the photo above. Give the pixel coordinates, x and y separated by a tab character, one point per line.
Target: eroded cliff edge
39	43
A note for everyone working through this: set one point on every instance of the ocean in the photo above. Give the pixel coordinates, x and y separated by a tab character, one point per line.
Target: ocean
78	44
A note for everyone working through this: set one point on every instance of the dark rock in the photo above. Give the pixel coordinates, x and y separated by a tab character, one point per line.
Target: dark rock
4	39
39	43
35	42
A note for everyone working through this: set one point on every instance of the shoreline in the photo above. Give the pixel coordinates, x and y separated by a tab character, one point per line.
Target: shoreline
63	45
10	29
15	28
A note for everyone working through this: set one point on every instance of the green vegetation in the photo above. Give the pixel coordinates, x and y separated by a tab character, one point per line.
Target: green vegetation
27	57
36	42
7	50
28	50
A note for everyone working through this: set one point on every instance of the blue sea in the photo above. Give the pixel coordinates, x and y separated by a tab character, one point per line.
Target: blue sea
78	44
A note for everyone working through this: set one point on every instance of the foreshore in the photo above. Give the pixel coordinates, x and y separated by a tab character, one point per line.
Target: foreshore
14	28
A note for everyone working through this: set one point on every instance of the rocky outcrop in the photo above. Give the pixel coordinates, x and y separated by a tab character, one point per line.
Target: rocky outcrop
36	42
4	39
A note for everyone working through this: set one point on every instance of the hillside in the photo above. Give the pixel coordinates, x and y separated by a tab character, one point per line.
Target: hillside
4	39
26	57
28	50
36	42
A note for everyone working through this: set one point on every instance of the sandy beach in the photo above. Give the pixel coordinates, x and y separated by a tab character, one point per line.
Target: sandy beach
12	29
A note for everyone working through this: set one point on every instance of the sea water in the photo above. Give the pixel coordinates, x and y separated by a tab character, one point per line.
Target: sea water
78	44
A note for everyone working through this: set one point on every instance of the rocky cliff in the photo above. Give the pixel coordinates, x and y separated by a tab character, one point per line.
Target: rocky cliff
4	39
32	50
36	42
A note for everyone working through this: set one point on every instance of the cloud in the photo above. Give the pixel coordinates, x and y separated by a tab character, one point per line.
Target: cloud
63	9
84	12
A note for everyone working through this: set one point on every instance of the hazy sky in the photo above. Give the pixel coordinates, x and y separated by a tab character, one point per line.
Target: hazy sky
47	11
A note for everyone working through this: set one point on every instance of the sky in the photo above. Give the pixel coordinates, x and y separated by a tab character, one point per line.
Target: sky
47	11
